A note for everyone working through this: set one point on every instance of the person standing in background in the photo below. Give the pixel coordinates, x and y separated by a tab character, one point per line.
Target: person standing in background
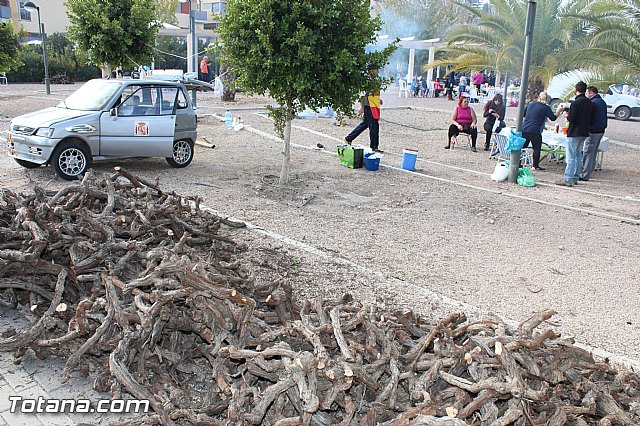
204	69
535	115
598	125
478	80
463	84
451	82
579	118
210	71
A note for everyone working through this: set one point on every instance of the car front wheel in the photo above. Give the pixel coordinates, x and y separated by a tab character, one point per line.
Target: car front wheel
70	160
182	154
623	113
27	164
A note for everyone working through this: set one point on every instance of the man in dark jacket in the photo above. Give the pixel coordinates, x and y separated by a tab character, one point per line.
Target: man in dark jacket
579	118
596	132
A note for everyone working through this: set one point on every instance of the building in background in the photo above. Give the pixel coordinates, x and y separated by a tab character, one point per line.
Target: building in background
54	16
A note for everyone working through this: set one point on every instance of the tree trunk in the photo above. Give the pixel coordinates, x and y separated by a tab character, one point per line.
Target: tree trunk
228	81
106	71
228	95
284	173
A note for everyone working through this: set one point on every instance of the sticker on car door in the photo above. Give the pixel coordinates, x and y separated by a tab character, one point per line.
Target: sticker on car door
141	128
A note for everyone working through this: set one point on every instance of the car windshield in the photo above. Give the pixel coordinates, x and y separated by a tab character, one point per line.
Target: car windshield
92	96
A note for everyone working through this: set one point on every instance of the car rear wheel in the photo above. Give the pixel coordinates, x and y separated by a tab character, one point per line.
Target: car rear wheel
623	113
70	160
27	164
182	154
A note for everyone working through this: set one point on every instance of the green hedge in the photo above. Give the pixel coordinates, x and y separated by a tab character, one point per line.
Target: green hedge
62	59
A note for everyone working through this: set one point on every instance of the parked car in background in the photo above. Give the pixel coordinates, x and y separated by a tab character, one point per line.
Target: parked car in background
106	120
623	106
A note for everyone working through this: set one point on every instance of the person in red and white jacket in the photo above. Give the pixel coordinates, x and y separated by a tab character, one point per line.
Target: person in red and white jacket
370	104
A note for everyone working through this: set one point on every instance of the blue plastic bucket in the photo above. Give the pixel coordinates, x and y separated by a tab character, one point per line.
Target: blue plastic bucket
371	162
409	158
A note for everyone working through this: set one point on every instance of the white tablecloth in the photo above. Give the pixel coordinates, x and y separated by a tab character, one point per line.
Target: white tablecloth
560	140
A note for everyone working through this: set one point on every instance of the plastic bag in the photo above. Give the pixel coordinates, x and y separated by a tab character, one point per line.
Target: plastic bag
501	172
498	125
516	141
218	87
525	177
349	156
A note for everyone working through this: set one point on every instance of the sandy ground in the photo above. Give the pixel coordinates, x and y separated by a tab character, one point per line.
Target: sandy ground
424	240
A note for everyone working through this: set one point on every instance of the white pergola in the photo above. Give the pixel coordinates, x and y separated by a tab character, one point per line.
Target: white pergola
413	45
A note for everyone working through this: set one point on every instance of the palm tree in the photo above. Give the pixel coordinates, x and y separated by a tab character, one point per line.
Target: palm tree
496	40
613	46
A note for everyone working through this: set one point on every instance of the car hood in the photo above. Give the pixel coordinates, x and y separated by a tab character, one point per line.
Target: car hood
48	117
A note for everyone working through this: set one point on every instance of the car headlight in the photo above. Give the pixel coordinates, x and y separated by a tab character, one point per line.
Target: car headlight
45	132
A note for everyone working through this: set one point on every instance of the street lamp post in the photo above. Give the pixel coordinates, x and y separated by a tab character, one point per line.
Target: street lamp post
524	85
192	61
31	7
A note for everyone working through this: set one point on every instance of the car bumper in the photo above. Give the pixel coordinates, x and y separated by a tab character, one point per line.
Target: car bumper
35	149
635	112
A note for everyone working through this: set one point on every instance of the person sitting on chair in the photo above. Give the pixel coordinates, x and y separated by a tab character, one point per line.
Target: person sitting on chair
463	120
493	110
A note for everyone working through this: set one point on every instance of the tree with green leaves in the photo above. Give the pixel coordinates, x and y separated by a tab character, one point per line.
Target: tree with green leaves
613	47
114	33
303	53
496	40
166	11
9	47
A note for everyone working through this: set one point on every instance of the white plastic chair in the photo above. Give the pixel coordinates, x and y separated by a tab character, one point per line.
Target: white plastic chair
3	79
490	94
473	95
404	89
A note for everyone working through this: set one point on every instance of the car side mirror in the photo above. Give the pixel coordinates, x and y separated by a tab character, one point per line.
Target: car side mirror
113	112
182	105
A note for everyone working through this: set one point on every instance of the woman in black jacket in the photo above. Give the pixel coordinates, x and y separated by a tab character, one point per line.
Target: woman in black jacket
493	110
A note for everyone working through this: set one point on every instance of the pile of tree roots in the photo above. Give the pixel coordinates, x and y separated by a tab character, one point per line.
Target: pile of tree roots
147	292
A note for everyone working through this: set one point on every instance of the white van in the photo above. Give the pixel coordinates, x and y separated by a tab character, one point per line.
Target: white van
622	106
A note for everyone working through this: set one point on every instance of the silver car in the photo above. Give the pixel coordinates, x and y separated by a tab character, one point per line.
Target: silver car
106	120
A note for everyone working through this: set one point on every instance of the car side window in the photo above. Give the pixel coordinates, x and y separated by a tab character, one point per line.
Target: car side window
168	100
133	102
182	100
148	100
